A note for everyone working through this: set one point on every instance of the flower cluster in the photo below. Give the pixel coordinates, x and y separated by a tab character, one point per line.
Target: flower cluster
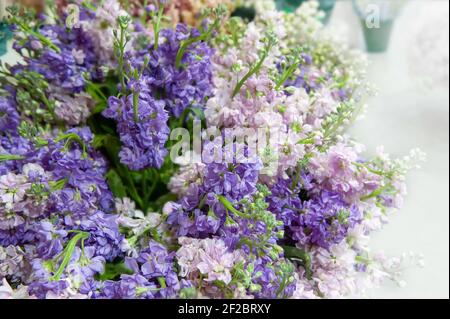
153	276
169	74
281	204
321	219
143	138
56	62
181	80
54	197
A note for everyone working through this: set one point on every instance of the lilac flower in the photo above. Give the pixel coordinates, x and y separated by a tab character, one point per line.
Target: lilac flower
199	212
319	218
272	279
59	190
181	87
12	261
63	71
130	287
44	289
50	240
336	171
153	276
72	110
9	117
104	237
144	134
87	265
210	257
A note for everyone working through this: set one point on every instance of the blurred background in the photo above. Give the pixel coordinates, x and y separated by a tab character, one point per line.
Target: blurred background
409	66
411	110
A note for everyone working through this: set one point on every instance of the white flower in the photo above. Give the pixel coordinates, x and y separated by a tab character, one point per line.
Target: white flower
6	292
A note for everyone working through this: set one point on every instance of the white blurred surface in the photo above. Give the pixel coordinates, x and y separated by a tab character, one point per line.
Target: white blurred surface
412	110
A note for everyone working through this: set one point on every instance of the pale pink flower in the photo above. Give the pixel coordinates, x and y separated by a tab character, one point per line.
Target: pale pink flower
6	292
72	110
187	175
78	55
210	257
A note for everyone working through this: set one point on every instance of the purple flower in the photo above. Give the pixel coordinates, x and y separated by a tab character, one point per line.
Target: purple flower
59	188
9	117
144	134
319	218
181	87
153	276
199	213
104	237
41	289
130	287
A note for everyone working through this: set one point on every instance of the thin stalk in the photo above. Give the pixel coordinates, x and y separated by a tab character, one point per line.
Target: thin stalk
26	29
255	69
121	58
157	26
7	157
68	252
136	106
287	74
230	207
185	45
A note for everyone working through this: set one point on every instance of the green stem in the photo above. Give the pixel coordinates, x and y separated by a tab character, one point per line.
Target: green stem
26	29
144	16
121	54
153	188
136	106
185	44
58	185
286	75
7	157
363	260
132	191
302	255
157	26
230	207
371	170
306	141
162	282
249	74
48	104
5	73
73	137
96	89
375	193
68	252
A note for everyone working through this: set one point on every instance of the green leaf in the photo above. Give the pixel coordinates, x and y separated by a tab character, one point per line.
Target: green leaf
198	113
295	253
9	157
99	107
116	184
188	293
112	271
160	202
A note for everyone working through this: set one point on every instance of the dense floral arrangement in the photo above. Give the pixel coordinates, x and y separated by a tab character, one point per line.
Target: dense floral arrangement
110	188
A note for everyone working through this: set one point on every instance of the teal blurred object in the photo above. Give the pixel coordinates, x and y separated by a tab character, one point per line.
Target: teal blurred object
326	6
377	22
5	35
378	39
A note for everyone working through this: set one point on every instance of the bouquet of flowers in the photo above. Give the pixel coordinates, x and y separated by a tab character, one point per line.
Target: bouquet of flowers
144	160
